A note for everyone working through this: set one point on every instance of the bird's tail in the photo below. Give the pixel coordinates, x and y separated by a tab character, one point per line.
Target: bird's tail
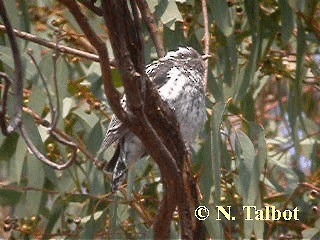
118	167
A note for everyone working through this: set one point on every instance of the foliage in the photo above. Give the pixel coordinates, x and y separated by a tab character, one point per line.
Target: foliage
260	145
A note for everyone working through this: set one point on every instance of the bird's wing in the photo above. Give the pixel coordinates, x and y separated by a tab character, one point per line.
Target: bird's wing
116	131
157	72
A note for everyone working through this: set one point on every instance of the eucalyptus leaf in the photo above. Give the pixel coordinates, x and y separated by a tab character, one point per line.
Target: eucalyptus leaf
36	177
222	16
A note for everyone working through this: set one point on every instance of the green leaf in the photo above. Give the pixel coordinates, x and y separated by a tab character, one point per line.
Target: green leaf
8	147
62	80
222	16
174	38
68	104
287	21
9	197
169	13
215	87
25	20
250	71
55	213
90	119
256	132
13	13
93	72
246	157
38	99
16	165
311	233
215	168
213	226
7	59
206	180
35	176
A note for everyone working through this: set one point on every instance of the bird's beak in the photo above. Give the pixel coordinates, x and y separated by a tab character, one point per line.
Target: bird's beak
206	56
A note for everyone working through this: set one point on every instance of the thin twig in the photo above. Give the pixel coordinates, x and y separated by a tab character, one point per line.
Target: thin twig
52	126
206	39
7	83
60	136
52	45
41	157
18	83
55	57
298	190
153	29
44	82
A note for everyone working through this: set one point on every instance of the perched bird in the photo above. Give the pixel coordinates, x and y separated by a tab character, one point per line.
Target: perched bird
178	77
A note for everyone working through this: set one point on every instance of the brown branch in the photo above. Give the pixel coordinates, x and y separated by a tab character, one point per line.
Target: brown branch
52	45
90	5
57	133
17	81
298	190
6	86
18	90
206	39
109	88
164	144
44	84
153	29
168	151
121	40
44	159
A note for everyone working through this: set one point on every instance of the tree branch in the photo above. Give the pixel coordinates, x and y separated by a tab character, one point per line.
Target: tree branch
148	117
44	159
90	5
167	150
6	86
18	88
52	45
206	40
153	29
109	88
18	84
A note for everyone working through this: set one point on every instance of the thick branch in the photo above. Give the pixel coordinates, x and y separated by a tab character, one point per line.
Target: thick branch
126	45
90	5
146	115
143	120
153	29
109	88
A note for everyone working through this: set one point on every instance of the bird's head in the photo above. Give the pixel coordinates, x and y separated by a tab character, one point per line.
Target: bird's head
183	54
187	56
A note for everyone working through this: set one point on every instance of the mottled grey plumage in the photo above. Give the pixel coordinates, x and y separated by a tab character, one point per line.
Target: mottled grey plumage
179	79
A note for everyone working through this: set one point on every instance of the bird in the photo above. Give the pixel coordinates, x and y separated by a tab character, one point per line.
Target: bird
179	80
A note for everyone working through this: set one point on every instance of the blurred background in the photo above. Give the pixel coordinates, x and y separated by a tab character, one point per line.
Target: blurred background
260	145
